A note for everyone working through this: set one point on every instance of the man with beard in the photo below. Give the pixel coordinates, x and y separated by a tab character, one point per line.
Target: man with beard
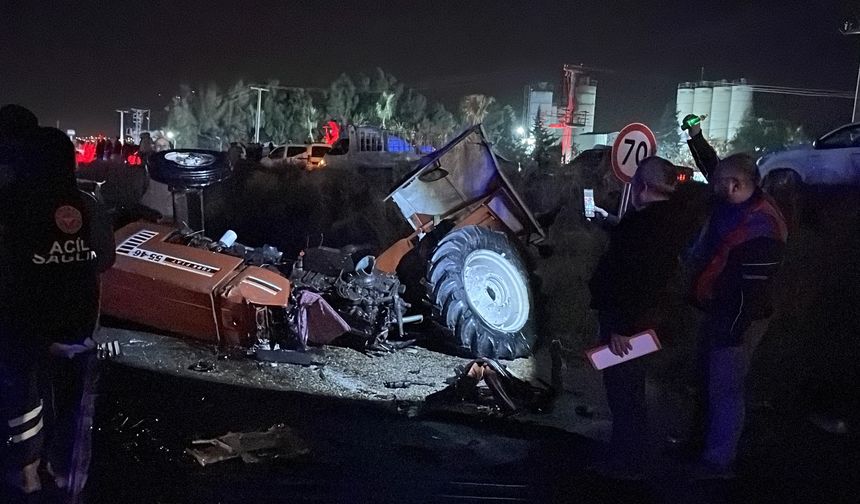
733	263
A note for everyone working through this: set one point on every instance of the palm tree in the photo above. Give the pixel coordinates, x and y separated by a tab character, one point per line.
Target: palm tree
311	121
475	108
385	106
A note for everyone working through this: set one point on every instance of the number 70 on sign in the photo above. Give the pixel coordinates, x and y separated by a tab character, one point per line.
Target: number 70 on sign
634	143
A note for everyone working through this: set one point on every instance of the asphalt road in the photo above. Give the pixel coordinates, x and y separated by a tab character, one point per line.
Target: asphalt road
360	452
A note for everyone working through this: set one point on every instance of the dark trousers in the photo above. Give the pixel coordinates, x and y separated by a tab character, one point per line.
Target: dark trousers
23	412
46	408
625	394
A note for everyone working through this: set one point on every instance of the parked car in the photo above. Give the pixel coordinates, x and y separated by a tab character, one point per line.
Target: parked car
830	161
308	157
833	159
365	148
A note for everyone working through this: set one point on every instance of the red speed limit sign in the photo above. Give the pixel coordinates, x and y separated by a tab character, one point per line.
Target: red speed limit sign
634	143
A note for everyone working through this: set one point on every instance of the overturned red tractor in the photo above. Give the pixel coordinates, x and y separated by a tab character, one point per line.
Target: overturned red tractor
462	266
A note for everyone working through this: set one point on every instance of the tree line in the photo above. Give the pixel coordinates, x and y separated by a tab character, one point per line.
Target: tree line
289	114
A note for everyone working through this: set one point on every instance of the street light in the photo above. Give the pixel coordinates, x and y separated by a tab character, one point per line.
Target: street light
122	114
259	91
850	26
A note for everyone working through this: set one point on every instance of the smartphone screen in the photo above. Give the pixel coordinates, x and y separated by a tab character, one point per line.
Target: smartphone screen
588	202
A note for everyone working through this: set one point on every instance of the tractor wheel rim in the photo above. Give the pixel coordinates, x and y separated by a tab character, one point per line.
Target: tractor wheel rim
495	290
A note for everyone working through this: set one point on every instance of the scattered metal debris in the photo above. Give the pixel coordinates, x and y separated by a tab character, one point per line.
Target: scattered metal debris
506	392
407	384
311	356
279	442
202	366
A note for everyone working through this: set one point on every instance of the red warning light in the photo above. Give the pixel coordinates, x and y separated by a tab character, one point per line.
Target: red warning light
684	175
332	132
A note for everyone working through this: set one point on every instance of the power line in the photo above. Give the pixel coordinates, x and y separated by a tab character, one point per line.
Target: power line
816	93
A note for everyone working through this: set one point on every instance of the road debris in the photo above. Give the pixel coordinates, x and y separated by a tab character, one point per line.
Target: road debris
279	442
506	392
202	366
407	384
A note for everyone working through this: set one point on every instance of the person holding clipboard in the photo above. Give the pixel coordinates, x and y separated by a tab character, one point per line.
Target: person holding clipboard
629	291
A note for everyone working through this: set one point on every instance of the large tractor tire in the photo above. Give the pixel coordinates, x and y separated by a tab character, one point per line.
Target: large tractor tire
479	288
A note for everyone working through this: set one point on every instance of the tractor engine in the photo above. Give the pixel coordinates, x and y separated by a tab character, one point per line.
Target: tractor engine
368	299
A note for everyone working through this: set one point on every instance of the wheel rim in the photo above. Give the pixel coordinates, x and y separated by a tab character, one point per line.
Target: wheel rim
495	290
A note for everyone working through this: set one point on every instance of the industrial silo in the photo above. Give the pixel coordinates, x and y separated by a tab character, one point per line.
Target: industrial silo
702	97
720	106
586	97
541	101
684	100
741	107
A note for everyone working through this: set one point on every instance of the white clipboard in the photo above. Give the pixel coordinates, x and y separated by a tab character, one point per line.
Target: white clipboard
643	344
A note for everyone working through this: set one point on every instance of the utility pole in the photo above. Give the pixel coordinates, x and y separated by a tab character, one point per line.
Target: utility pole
856	93
850	26
259	91
137	115
122	125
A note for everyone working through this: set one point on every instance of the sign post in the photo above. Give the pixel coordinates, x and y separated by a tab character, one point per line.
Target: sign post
634	143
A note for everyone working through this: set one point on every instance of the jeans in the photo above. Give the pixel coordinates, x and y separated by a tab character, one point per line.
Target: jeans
723	371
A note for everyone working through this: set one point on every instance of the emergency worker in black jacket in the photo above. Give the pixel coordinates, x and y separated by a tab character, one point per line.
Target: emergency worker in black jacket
732	265
630	289
55	242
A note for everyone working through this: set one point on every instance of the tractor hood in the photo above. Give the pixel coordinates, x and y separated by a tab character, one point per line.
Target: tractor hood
457	178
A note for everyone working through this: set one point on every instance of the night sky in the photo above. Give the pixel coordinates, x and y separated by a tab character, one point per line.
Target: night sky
79	62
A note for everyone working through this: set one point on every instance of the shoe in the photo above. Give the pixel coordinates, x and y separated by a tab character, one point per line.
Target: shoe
704	470
829	424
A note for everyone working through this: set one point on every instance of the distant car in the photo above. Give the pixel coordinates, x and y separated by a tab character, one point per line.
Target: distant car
308	157
833	159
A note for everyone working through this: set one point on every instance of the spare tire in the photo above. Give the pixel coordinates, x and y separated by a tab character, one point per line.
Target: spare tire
479	288
189	168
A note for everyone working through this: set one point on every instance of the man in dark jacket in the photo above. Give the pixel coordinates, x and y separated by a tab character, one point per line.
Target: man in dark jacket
630	291
732	265
55	243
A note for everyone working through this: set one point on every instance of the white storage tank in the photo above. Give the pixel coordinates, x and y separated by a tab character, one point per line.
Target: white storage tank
720	106
684	101
586	98
741	107
540	101
702	97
